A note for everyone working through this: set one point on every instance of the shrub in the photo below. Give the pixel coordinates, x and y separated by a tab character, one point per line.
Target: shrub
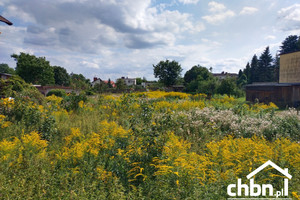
57	92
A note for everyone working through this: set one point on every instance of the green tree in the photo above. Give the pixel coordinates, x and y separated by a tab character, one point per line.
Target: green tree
290	44
61	76
242	80
109	83
120	84
208	87
265	66
101	87
78	81
199	79
194	72
228	86
139	81
34	70
167	72
4	68
254	69
247	72
276	68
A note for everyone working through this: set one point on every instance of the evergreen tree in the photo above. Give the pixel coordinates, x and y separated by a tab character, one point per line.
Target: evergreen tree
290	44
247	72
276	68
109	83
254	70
265	67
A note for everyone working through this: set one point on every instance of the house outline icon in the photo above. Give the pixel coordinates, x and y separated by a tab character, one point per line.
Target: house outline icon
266	164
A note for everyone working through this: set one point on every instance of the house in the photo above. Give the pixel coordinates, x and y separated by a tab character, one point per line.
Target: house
5	76
128	81
111	82
98	81
147	84
286	92
224	75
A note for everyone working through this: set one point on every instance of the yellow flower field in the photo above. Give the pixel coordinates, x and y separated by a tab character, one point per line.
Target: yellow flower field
150	145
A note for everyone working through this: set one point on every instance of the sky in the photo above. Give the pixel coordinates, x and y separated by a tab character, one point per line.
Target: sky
115	38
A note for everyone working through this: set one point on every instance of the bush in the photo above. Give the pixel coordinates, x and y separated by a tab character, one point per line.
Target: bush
71	101
57	92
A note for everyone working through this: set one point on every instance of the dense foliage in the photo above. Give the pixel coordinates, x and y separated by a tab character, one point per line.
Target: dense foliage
153	145
168	72
37	70
4	68
34	70
266	68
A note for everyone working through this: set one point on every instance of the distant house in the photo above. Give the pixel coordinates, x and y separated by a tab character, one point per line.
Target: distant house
224	75
147	84
111	82
129	81
98	81
5	76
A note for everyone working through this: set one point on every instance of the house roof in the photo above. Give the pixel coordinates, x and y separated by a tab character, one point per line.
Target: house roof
269	162
2	19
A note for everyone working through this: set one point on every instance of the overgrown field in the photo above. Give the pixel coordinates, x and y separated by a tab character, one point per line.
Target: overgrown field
153	145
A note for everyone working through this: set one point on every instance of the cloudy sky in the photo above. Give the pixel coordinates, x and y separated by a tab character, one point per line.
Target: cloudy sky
113	38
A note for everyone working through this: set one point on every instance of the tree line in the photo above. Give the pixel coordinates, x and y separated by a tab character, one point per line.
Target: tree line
265	68
37	70
196	80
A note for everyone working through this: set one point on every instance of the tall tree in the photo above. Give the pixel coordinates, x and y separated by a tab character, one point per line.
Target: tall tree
194	72
228	86
34	70
167	72
254	69
109	83
61	76
290	44
265	67
200	79
276	68
247	72
120	84
79	81
4	68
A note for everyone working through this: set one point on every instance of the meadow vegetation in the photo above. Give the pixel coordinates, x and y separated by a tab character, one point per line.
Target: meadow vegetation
148	145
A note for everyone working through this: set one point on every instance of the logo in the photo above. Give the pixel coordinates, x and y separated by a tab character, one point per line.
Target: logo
255	190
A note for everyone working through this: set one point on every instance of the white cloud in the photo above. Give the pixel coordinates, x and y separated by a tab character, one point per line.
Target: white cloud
89	64
219	13
189	1
219	17
248	11
216	7
270	37
289	18
87	26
